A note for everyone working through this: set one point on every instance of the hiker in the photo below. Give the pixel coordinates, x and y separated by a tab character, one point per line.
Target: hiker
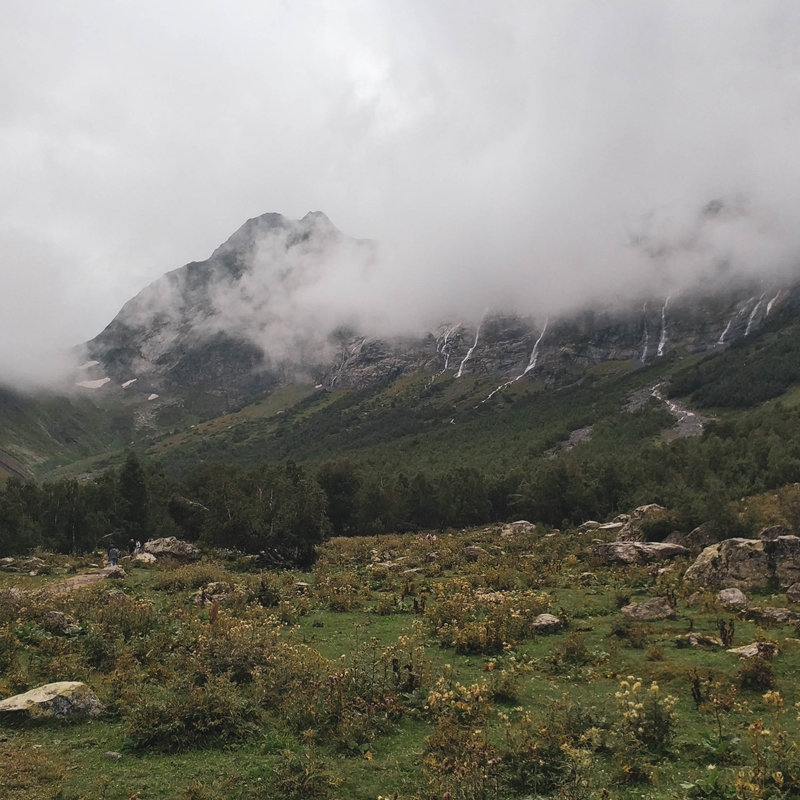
113	556
138	547
131	547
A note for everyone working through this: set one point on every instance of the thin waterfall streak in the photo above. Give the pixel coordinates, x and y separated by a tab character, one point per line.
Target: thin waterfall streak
472	349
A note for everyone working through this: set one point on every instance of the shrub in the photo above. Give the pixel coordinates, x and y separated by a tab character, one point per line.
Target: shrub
183	715
756	673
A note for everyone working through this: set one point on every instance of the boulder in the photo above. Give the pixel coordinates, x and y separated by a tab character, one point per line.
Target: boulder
635	552
793	593
589	525
698	640
472	552
145	558
732	597
514	529
739	563
767	614
748	564
657	608
214	592
547	623
63	699
114	573
772	533
170	547
301	587
631	531
766	650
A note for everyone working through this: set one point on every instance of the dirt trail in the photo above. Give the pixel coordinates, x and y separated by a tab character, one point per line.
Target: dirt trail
79	581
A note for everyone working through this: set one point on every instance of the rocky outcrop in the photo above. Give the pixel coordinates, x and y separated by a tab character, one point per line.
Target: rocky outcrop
58	700
170	547
144	558
657	608
748	564
472	552
636	553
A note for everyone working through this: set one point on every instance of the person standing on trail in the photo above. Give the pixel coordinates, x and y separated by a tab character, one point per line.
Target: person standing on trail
113	556
131	547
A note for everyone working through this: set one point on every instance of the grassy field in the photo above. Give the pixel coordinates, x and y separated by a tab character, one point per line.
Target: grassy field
404	668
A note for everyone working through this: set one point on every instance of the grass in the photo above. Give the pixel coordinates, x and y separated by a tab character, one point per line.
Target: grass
581	666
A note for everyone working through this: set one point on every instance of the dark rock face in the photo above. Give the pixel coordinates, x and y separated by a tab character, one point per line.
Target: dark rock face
229	326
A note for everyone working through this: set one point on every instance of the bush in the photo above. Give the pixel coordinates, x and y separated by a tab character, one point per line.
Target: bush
183	715
756	674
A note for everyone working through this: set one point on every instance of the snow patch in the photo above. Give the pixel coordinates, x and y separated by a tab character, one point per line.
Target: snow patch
152	397
128	383
93	384
88	364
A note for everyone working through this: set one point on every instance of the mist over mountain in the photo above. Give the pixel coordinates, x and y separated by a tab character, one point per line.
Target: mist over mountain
297	301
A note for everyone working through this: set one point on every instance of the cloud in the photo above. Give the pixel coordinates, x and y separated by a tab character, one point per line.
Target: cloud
503	154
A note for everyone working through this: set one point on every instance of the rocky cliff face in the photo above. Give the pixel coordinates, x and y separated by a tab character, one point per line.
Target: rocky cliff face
224	326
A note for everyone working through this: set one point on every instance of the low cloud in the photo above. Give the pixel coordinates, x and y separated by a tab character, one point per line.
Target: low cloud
532	155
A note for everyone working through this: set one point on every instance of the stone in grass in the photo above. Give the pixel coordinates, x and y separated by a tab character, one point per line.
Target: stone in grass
115	573
472	552
793	593
57	700
547	623
657	608
765	650
768	614
698	640
732	597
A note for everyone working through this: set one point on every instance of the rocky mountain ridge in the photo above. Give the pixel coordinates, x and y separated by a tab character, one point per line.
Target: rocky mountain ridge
222	327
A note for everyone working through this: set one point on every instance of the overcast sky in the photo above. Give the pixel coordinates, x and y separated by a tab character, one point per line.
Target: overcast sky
504	151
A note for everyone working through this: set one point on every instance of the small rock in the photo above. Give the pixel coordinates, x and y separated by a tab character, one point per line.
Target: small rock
301	587
145	558
732	597
657	608
694	599
772	534
547	623
793	593
514	529
112	755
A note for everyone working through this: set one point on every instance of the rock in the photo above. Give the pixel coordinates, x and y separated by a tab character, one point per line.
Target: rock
472	552
114	573
58	624
767	614
214	592
695	599
547	623
112	755
657	608
748	564
766	650
514	529
739	563
612	526
301	587
631	531
635	552
698	640
771	534
589	525
411	571
170	547
732	597
488	596
145	558
586	578
63	699
7	564
12	593
793	593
